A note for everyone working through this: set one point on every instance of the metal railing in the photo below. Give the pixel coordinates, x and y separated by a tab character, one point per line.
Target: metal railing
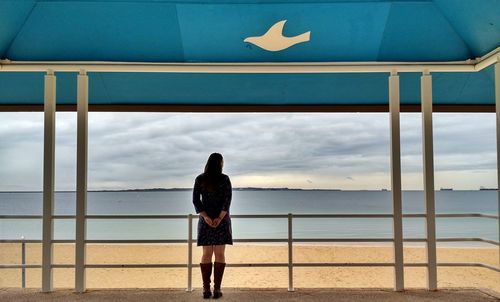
289	240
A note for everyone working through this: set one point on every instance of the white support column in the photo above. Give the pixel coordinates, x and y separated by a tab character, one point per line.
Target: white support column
428	159
290	253
396	181
48	178
81	179
497	98
190	254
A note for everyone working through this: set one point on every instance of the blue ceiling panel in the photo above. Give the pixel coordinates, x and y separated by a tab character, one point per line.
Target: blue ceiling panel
21	88
419	32
249	89
27	88
339	32
66	87
461	88
99	31
477	22
97	89
13	14
213	31
490	74
409	88
242	89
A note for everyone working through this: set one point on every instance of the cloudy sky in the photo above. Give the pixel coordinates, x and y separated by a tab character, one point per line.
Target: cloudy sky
331	150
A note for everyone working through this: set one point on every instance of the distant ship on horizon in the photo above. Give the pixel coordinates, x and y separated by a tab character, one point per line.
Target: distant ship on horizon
446	189
481	188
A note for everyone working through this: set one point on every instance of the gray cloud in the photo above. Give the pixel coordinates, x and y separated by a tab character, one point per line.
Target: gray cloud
169	150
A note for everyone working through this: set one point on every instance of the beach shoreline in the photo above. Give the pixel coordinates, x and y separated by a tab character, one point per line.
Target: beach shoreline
254	277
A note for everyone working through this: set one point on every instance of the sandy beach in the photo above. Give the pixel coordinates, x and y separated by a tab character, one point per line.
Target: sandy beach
314	277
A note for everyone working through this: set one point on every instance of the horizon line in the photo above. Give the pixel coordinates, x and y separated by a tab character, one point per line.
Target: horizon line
246	188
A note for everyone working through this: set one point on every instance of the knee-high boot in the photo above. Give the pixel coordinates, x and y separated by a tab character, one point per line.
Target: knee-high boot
206	272
218	273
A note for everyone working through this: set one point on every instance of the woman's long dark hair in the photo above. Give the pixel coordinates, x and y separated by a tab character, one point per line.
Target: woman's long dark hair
213	171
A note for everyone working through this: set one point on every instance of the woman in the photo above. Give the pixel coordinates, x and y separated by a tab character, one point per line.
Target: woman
214	225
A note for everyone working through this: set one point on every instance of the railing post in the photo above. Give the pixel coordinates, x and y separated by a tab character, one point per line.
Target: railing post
428	159
497	102
23	263
190	254
48	178
397	219
81	180
290	253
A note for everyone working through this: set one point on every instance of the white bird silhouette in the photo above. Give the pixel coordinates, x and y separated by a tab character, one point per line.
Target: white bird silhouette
273	39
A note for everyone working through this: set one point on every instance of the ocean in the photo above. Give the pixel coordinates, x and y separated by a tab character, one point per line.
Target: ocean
254	202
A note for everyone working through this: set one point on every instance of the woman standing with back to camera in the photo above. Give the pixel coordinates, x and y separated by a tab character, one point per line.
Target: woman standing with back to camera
214	225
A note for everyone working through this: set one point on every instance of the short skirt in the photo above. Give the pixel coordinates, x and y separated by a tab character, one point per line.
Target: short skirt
220	235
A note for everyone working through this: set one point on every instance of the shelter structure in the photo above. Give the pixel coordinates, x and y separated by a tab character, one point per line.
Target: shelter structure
183	55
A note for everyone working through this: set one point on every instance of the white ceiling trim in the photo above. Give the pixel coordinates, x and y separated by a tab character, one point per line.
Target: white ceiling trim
471	65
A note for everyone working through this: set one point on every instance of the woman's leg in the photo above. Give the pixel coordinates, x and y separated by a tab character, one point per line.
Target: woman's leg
208	251
219	251
219	265
206	270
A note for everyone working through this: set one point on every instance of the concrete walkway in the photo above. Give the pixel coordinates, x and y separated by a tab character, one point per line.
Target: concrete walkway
246	295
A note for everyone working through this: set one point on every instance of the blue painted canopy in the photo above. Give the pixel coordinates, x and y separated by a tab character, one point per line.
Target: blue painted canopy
213	31
250	89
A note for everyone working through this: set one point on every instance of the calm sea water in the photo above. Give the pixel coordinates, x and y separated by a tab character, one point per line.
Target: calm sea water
254	202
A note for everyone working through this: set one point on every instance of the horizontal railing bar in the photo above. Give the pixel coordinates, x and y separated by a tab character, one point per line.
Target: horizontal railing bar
35	241
452	215
458	239
346	215
63	217
414	239
476	264
137	241
257	240
415	215
35	216
63	241
416	264
344	264
261	240
176	240
234	240
456	264
136	216
277	264
7	266
342	215
343	240
20	241
62	265
20	216
467	215
328	264
259	216
176	265
246	240
185	241
152	265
